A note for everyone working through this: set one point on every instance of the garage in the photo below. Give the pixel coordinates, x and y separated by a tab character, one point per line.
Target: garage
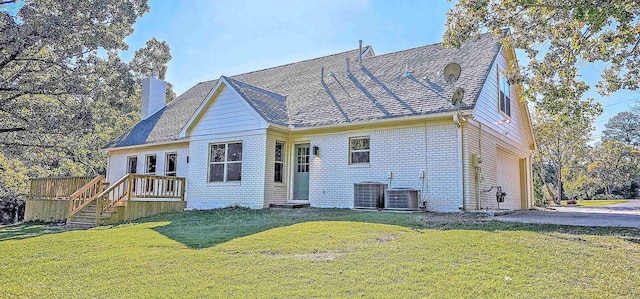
508	177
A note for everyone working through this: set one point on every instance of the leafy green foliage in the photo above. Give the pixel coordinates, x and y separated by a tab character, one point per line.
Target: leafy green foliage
64	90
623	127
615	164
558	37
562	132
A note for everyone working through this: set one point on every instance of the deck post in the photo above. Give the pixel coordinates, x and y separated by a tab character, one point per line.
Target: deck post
98	208
129	187
182	190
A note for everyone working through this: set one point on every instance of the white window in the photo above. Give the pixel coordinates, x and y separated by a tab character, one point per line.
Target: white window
170	169
170	164
150	164
225	162
149	168
132	164
278	169
358	150
504	89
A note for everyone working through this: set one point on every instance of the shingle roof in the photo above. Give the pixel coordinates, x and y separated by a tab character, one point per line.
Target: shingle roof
294	94
269	105
166	124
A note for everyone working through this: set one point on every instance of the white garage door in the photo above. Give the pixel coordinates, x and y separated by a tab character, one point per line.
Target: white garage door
509	179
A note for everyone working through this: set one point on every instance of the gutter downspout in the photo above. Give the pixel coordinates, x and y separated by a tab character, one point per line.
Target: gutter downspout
456	120
478	168
106	173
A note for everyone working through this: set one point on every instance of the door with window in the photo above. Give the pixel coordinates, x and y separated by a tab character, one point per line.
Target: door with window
132	167
170	169
301	172
149	169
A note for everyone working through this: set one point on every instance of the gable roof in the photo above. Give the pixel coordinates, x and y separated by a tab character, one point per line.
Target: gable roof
398	84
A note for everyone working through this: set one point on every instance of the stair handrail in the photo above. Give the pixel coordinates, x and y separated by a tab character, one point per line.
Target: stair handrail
94	185
114	185
97	196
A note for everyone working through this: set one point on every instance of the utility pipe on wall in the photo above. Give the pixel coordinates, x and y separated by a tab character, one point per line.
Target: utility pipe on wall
458	122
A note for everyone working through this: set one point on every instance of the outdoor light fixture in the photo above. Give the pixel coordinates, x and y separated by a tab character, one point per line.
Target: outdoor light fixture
316	150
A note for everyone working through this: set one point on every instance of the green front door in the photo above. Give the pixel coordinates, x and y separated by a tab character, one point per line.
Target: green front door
301	172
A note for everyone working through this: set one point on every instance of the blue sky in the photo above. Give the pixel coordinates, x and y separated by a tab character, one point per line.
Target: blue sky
213	38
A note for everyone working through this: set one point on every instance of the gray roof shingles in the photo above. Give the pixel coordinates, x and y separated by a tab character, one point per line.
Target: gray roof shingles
295	95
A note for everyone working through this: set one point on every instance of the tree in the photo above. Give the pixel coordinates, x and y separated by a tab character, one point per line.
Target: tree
615	164
557	37
623	127
562	136
64	90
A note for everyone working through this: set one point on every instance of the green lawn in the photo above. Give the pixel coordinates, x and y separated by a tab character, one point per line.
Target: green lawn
321	253
596	203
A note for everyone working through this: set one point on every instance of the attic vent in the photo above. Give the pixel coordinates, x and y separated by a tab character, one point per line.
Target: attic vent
368	195
401	199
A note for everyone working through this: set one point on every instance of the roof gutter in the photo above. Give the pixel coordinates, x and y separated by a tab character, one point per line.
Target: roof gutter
441	115
110	149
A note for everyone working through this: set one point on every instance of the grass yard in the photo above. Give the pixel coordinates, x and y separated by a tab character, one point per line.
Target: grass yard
320	253
596	203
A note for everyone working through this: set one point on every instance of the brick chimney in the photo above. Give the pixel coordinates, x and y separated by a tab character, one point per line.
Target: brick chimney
153	95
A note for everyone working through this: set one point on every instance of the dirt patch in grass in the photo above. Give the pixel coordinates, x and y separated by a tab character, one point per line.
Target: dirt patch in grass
386	237
317	256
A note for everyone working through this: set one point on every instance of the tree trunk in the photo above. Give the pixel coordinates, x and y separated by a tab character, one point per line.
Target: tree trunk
558	196
544	181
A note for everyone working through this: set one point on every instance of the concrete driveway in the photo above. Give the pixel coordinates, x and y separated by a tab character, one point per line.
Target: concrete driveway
622	215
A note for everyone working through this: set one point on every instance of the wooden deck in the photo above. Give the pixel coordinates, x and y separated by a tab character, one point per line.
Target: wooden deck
96	202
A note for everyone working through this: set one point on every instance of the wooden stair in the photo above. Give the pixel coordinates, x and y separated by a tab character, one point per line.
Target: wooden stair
87	216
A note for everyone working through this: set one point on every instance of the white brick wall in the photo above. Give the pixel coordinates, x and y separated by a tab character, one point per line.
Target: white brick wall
443	168
247	193
490	144
118	160
399	150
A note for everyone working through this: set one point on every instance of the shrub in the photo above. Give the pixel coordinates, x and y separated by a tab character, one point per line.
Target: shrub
11	210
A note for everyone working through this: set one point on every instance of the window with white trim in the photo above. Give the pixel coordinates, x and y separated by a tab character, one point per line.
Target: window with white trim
225	162
132	167
150	164
170	169
504	89
359	150
278	170
132	164
149	168
170	164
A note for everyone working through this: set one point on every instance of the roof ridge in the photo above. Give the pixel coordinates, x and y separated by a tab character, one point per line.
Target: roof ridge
418	47
254	87
301	61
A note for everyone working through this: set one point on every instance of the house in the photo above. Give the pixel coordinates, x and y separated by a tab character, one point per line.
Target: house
306	132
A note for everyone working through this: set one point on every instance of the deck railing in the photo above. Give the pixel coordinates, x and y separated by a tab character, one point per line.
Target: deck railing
56	187
82	191
84	196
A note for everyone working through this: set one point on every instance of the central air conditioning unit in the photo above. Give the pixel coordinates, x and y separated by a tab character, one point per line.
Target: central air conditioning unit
401	199
368	195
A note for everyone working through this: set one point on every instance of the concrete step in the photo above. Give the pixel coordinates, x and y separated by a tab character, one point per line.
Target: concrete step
288	205
81	224
80	218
